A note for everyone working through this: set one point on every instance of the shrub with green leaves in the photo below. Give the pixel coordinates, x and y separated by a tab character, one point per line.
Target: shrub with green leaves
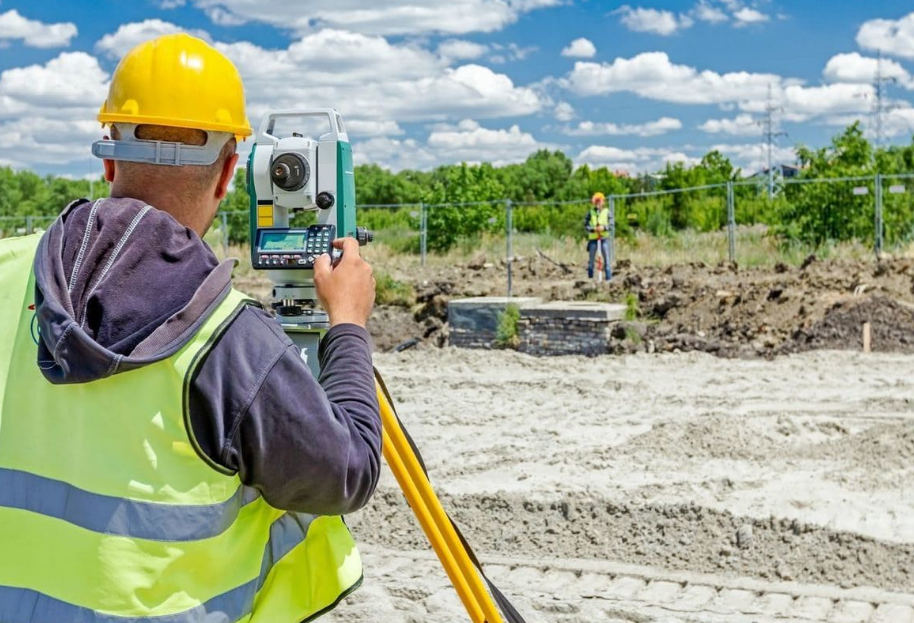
506	334
389	291
632	307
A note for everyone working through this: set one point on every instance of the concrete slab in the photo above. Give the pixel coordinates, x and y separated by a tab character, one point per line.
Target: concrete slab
577	310
480	314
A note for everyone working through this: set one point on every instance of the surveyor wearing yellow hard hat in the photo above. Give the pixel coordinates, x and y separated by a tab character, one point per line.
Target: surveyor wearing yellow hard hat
165	453
597	224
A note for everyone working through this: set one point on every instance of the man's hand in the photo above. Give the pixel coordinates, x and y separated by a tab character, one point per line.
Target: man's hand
599	228
346	289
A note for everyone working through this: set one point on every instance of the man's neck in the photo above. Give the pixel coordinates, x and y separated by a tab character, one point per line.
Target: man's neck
189	215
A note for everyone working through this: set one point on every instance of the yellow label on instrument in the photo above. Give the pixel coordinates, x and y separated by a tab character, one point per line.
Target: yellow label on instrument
265	215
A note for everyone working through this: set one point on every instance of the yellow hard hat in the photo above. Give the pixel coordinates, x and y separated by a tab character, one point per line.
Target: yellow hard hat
178	81
599	196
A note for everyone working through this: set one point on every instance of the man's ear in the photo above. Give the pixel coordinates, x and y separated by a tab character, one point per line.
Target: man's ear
109	170
225	178
109	166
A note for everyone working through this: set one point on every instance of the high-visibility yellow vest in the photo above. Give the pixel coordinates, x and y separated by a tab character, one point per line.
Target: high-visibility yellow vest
601	218
108	510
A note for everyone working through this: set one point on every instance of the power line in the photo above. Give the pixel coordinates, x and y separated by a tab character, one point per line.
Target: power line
879	105
770	133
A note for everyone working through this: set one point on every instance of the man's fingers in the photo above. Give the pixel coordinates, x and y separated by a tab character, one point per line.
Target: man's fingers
350	248
346	243
322	266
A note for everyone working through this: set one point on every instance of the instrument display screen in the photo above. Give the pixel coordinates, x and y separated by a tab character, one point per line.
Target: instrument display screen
282	240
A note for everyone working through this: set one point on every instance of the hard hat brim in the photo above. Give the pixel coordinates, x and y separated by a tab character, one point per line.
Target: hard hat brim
240	132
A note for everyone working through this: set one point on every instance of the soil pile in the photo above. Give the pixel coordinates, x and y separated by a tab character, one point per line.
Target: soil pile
725	310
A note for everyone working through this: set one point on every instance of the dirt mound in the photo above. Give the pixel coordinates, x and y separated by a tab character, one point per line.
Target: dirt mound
892	326
879	449
727	310
683	536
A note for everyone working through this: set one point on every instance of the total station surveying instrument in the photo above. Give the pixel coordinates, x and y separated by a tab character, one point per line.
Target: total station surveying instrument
293	177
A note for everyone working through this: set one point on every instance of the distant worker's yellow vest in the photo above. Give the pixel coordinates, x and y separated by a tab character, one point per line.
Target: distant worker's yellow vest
109	515
601	218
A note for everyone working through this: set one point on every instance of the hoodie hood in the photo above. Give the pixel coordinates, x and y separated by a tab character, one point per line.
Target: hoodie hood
119	285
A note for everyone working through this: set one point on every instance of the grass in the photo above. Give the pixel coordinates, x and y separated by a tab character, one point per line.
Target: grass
632	308
389	291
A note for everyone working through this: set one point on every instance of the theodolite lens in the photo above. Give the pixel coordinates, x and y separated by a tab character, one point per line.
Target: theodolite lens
290	172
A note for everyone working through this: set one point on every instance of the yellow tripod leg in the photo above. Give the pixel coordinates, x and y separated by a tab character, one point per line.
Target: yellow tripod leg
434	521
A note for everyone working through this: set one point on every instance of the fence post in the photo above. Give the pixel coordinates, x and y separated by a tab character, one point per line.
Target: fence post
731	222
28	225
225	236
423	232
878	215
612	232
510	225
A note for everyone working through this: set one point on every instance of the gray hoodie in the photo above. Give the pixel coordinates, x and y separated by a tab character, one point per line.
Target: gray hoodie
120	285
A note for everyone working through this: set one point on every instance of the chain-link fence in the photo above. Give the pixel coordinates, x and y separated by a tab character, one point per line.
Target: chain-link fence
747	221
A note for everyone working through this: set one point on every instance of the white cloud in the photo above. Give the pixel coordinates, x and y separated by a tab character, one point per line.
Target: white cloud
862	70
753	157
662	23
375	80
742	125
129	35
896	121
651	128
393	17
563	111
466	141
171	4
746	16
802	103
893	37
358	128
15	27
33	140
652	75
580	48
221	17
706	12
394	154
72	79
47	112
458	49
470	142
510	52
640	160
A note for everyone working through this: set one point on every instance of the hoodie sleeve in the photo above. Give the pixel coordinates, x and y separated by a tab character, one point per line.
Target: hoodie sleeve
307	446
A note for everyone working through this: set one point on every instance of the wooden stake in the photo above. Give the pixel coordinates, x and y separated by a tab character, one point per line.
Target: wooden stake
867	337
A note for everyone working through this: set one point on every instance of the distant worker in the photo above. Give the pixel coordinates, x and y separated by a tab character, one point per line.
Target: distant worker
598	225
165	453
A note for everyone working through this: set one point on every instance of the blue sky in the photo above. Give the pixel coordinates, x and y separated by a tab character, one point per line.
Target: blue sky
424	82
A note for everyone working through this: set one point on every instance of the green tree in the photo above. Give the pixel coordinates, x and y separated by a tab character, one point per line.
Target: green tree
476	185
818	213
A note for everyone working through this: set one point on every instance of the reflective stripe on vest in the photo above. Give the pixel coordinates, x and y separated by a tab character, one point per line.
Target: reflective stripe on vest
601	218
109	514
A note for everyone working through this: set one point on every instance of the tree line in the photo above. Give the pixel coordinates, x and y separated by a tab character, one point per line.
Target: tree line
814	213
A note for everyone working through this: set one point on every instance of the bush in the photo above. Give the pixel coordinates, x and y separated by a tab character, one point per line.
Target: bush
632	308
506	332
389	291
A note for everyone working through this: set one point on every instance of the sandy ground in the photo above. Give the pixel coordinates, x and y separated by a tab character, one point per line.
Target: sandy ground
642	488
